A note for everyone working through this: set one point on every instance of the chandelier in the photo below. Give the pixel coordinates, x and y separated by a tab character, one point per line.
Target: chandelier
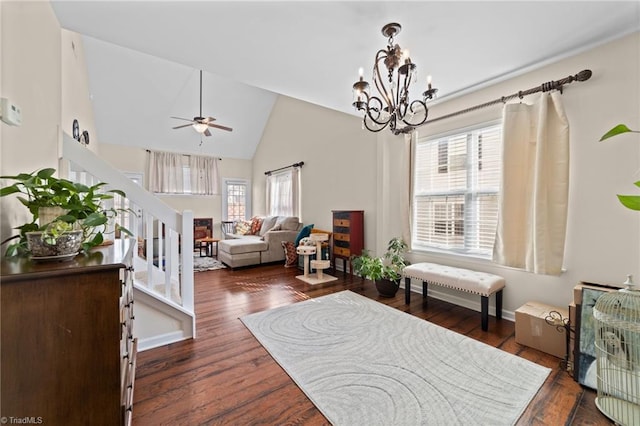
392	107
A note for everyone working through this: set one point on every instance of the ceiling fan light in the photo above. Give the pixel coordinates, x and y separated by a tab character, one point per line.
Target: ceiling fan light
200	127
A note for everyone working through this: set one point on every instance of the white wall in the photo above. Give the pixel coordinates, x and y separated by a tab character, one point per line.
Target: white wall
603	243
76	99
339	171
31	78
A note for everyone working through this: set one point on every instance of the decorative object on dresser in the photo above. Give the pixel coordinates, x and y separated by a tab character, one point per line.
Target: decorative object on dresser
68	352
82	206
348	236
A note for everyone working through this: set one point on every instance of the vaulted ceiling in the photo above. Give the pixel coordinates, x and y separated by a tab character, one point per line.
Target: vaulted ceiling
143	57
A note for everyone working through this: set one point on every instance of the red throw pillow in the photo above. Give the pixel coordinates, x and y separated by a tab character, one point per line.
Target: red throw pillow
290	254
256	224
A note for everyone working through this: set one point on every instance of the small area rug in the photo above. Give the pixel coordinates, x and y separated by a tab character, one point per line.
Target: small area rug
365	363
201	264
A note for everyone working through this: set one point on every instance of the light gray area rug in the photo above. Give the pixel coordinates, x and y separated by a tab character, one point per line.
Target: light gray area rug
201	264
365	363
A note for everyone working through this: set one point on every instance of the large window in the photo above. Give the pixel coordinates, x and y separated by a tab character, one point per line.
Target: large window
456	185
236	199
283	193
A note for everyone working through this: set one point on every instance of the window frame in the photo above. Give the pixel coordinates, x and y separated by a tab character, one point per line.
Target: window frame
226	182
451	223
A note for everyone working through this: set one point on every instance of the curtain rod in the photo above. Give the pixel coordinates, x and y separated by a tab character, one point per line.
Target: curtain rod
583	75
186	155
300	164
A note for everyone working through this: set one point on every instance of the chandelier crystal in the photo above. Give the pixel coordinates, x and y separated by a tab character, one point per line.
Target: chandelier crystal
392	107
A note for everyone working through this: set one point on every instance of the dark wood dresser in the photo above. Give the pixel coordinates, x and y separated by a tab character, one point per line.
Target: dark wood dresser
348	236
68	353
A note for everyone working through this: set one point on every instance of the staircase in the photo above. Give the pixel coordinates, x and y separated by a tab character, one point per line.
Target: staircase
163	263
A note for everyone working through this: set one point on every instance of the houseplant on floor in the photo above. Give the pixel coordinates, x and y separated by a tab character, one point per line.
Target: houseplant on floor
79	206
385	271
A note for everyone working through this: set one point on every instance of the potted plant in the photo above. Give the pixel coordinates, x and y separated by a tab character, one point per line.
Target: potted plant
79	206
629	201
385	271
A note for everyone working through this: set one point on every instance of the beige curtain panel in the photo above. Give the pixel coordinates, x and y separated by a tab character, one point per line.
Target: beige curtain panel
204	175
533	205
164	170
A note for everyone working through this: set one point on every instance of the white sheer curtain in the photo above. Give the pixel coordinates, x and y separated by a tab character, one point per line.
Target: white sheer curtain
534	186
406	221
164	171
283	193
205	178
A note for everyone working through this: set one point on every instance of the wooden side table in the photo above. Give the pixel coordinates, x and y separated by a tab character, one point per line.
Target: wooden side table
207	245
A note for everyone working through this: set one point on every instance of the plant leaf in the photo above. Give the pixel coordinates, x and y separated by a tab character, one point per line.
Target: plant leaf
46	173
8	190
630	201
619	129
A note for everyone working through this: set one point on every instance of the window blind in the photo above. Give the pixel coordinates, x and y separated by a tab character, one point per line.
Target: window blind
456	186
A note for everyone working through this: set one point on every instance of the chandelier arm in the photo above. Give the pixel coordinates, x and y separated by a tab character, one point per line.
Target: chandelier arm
413	110
383	125
370	108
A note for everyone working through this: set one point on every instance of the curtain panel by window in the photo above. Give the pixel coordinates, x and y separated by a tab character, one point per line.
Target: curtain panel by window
164	171
534	186
204	175
283	193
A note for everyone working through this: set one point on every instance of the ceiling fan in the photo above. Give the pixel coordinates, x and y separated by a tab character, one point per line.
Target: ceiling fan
201	124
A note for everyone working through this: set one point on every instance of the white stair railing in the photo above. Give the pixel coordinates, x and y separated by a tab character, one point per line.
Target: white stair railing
164	262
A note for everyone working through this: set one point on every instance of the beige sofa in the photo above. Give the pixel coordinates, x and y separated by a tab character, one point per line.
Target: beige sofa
265	246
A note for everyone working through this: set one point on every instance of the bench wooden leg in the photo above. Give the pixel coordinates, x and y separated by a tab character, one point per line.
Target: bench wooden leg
484	303
407	290
499	304
425	290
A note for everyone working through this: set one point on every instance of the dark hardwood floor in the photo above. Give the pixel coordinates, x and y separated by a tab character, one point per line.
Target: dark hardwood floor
225	376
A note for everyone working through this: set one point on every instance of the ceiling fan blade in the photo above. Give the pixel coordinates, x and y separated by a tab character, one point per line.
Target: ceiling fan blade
180	127
180	118
218	126
210	119
207	132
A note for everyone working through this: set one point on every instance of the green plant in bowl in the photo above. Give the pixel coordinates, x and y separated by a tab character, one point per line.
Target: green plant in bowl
83	207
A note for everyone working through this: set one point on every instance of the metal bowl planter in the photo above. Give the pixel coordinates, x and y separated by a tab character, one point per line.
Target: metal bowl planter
43	245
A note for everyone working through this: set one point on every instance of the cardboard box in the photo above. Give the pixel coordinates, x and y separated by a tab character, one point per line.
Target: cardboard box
533	330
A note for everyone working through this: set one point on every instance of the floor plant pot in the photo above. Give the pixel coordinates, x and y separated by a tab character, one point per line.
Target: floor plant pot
63	247
387	288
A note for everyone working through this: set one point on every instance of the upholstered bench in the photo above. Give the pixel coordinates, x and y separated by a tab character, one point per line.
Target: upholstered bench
474	282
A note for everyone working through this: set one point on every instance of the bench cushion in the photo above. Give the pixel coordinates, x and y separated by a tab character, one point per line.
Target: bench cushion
242	245
474	282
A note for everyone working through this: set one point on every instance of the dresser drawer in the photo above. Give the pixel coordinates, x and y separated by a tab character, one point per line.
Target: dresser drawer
340	251
341	222
341	237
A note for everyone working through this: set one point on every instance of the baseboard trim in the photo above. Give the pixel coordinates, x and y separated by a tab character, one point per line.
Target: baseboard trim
460	301
161	340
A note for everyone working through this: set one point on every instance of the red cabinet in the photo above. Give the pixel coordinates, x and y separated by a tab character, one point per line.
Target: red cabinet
348	236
